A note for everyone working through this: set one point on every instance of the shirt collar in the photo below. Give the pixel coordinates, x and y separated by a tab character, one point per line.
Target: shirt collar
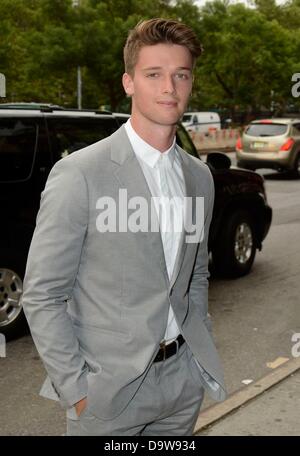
147	153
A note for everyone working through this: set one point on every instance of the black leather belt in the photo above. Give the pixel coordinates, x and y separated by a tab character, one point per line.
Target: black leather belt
166	351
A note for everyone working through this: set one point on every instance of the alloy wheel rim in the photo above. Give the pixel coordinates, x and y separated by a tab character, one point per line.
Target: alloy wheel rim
11	288
243	243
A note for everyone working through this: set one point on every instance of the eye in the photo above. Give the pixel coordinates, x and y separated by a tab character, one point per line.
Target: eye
152	75
183	76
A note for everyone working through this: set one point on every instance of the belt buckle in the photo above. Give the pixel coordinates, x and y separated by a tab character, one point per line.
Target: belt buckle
163	346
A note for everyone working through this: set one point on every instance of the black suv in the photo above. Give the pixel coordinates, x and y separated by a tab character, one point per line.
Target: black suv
33	139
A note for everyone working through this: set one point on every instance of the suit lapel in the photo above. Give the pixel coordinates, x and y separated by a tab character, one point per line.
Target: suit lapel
190	188
131	177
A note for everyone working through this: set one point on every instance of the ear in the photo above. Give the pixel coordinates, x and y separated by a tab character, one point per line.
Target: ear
128	85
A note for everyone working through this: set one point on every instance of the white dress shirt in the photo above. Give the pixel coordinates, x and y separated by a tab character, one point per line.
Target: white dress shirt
164	176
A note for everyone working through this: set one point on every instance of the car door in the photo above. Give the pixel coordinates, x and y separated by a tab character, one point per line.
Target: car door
24	166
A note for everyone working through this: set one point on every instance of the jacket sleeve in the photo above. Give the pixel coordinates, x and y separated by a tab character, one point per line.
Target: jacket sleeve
198	291
51	270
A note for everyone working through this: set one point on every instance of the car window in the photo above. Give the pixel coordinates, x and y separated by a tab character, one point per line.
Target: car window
266	129
18	139
70	134
297	128
183	140
186	118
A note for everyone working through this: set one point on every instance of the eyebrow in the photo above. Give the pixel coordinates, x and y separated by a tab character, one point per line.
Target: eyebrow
159	68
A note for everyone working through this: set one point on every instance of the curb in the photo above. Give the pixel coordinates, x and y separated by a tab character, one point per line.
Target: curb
241	397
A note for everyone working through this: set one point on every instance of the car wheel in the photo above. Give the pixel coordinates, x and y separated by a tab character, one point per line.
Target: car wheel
235	249
12	318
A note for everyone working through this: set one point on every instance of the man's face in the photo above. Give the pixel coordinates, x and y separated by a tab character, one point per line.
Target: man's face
161	84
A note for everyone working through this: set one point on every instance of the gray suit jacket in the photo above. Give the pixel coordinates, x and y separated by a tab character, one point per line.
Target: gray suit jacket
97	303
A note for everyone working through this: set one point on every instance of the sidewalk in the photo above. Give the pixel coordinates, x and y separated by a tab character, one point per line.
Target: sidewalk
269	407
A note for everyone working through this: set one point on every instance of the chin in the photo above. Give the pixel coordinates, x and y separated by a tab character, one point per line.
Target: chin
167	120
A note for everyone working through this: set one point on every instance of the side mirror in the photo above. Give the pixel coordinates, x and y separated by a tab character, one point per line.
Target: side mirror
217	160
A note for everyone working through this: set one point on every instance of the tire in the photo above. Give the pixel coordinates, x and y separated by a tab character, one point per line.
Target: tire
235	249
12	319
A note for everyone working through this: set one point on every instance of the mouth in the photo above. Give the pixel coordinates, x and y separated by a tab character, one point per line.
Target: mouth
168	104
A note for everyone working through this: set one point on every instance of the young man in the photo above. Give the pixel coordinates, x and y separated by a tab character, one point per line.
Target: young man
119	316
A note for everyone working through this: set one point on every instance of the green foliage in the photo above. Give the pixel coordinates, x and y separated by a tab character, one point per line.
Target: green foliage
248	60
250	54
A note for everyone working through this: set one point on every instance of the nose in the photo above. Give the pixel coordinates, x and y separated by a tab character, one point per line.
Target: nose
168	84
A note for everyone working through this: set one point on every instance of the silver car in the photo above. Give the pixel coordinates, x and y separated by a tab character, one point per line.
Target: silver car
270	143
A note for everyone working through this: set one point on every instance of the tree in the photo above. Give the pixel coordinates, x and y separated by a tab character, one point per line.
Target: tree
248	59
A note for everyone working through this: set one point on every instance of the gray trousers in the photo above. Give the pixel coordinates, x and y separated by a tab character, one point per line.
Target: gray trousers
166	404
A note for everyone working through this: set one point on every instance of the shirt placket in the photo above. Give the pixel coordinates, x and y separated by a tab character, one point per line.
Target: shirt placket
167	228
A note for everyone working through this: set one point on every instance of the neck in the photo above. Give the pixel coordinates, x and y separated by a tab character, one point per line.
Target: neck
160	137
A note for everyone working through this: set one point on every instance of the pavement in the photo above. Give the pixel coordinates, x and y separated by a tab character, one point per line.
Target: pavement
268	407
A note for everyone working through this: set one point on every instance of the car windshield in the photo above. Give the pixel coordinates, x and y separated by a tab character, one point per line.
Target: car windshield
186	118
183	140
266	129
